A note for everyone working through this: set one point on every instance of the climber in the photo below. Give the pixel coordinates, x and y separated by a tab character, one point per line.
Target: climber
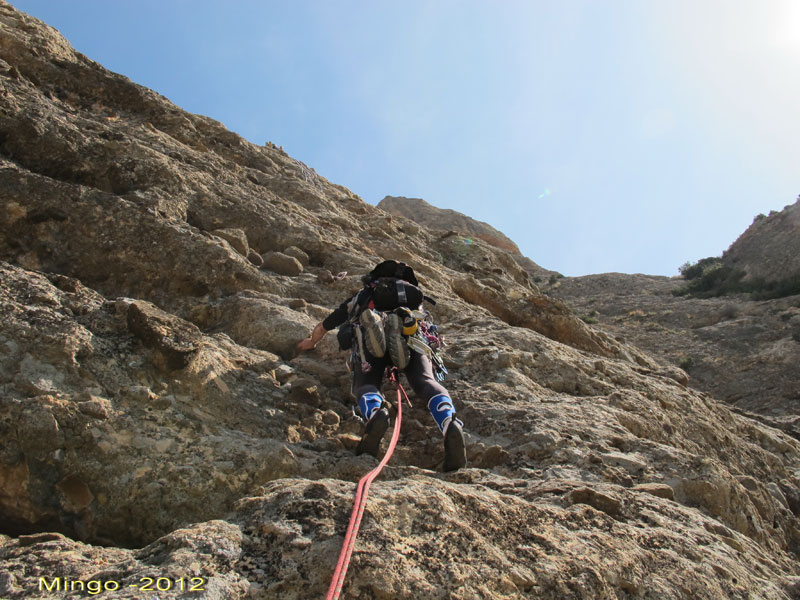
376	323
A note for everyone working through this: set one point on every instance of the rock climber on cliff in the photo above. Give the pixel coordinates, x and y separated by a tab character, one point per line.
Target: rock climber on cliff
383	327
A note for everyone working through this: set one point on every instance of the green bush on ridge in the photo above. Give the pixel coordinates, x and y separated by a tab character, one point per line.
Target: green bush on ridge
710	278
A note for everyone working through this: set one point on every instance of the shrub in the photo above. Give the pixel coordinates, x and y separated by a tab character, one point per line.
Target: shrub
686	362
691	271
710	277
777	289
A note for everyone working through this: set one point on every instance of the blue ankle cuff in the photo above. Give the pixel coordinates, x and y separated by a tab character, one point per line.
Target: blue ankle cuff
442	410
369	403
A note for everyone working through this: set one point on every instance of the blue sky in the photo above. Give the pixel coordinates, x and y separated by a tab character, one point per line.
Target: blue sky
600	136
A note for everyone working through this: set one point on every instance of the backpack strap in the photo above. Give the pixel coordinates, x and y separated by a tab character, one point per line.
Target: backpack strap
358	303
401	291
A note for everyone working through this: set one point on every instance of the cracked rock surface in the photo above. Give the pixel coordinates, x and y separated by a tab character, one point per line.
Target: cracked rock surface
158	425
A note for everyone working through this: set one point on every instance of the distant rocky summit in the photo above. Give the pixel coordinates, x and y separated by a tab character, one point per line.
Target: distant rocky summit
420	211
764	261
770	248
158	425
451	221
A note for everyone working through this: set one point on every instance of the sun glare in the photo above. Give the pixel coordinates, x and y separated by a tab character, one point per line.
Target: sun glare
786	28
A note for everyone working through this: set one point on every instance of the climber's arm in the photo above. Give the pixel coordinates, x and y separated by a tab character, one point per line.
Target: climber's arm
311	341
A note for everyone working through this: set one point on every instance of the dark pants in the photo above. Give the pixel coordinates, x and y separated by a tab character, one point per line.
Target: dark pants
419	373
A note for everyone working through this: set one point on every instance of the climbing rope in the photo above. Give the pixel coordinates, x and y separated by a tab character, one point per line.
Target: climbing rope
361	500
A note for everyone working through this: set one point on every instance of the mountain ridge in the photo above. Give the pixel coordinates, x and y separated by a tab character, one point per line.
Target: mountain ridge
432	217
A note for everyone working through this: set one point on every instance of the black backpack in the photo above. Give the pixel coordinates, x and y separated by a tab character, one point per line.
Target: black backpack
393	285
392	268
388	286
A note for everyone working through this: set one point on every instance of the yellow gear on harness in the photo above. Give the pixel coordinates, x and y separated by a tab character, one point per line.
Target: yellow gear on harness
410	318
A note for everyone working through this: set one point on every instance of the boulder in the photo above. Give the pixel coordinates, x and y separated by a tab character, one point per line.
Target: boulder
298	254
258	322
282	264
255	258
176	341
236	238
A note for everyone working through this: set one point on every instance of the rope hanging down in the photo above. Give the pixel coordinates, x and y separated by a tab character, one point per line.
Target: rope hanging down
360	503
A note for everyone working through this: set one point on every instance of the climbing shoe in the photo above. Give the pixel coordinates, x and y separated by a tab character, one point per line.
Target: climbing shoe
374	336
373	433
396	344
455	451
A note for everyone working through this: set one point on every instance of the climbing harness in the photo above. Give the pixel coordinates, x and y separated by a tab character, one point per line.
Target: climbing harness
386	317
360	502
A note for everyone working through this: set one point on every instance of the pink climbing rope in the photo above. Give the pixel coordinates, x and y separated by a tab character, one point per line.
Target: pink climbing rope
361	502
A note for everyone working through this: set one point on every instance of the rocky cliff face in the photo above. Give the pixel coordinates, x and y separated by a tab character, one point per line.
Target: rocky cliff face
770	248
157	272
740	351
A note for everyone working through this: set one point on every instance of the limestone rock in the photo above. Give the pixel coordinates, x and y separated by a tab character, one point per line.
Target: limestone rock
736	349
236	238
238	466
422	212
255	258
769	249
114	463
543	315
194	561
282	263
260	323
175	340
628	462
325	276
596	499
418	211
660	490
298	254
